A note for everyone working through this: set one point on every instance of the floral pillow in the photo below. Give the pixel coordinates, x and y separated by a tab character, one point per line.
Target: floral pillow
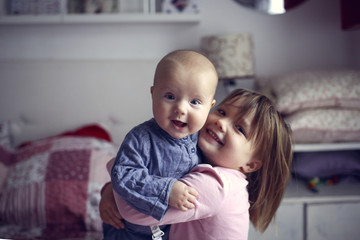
325	125
312	89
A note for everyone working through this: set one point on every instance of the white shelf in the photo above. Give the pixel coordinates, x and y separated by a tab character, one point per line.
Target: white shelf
297	192
28	19
100	18
313	147
131	18
144	14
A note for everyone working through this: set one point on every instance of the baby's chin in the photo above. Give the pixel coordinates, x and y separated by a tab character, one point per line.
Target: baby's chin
181	135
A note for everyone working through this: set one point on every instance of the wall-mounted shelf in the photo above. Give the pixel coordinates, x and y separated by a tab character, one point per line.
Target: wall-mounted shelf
131	18
315	147
65	12
100	18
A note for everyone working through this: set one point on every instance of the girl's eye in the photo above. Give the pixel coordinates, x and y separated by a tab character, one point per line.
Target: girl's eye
240	129
221	112
169	96
195	102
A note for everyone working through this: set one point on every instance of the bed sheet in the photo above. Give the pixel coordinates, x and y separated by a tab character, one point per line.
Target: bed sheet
52	186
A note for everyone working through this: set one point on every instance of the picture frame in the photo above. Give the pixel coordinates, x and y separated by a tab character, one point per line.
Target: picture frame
180	6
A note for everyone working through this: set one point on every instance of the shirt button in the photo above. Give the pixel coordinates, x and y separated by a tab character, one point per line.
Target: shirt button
193	150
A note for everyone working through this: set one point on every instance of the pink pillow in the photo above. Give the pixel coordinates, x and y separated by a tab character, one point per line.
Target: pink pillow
312	89
55	184
325	125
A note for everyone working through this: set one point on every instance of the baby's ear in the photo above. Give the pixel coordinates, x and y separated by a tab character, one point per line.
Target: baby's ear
213	102
252	166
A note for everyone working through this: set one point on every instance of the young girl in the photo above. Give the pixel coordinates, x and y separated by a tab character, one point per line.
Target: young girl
248	146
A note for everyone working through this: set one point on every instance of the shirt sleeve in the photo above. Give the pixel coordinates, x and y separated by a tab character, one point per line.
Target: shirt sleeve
211	196
131	179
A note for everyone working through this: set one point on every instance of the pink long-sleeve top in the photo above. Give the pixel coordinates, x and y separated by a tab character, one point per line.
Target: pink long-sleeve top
222	210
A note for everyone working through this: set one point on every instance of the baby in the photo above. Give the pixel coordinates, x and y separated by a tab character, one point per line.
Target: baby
155	154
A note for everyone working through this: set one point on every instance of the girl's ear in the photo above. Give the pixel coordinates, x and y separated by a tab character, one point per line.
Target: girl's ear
252	166
151	89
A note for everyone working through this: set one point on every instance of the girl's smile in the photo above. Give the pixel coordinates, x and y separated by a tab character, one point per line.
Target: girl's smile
214	136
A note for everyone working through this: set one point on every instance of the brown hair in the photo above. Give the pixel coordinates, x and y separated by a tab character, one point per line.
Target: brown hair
271	138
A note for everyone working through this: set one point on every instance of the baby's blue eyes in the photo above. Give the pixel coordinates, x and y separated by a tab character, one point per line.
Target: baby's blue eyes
169	96
195	102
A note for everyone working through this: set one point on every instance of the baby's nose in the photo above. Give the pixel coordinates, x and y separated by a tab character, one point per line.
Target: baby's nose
180	108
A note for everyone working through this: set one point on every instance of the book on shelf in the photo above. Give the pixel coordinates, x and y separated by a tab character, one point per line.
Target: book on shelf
33	7
92	6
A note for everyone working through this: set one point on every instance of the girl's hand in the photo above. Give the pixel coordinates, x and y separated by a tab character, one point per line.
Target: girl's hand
108	209
182	196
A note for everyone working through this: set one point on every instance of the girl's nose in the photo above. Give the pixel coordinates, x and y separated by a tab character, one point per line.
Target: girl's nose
221	124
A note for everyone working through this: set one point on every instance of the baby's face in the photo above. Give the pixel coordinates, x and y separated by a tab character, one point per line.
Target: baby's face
182	100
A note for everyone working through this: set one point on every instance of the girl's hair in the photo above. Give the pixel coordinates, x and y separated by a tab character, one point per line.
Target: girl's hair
272	141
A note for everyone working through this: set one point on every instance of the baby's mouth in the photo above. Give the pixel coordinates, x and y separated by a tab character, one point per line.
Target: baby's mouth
214	136
179	123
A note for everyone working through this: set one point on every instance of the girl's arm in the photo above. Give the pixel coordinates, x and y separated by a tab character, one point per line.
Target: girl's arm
108	209
211	195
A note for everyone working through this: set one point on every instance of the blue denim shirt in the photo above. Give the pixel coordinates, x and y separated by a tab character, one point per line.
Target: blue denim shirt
148	163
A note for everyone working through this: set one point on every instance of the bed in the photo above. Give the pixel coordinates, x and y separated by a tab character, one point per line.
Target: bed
51	189
60	122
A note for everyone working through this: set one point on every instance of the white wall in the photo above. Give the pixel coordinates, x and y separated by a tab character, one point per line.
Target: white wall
309	36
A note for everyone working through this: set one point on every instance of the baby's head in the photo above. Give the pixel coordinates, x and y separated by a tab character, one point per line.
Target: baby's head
183	92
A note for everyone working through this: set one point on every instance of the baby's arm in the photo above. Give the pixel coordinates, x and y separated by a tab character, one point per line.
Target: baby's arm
182	196
211	196
146	193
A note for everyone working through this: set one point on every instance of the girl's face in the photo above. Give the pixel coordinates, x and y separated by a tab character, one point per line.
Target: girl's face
224	139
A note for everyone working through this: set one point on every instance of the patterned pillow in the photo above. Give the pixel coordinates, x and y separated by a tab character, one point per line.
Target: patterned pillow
5	135
311	89
5	150
54	184
325	125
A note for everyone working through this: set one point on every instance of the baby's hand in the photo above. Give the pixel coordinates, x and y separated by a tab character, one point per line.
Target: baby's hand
182	196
